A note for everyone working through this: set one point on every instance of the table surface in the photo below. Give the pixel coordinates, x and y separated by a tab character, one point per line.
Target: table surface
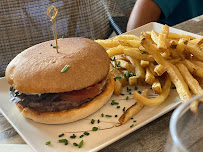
151	137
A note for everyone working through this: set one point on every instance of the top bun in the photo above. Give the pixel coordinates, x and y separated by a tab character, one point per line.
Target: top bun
38	68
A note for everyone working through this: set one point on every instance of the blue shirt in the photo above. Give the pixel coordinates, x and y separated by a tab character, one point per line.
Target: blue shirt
177	11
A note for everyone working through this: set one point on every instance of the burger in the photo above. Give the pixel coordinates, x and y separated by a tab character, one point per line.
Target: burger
56	88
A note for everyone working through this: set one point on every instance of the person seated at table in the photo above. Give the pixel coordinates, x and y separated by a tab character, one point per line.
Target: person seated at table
168	12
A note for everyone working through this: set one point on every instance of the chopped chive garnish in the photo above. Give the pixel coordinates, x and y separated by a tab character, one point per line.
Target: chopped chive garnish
81	136
139	92
127	75
113	58
48	143
98	121
151	88
80	144
122	94
62	140
114	103
102	115
65	141
130	93
131	126
143	52
92	121
128	89
134	120
118	107
65	68
117	78
136	88
61	135
131	118
124	109
127	98
86	133
54	46
50	44
173	87
73	136
118	64
108	115
94	128
116	115
75	144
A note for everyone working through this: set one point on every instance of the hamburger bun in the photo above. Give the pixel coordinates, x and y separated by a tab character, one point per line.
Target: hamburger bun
38	68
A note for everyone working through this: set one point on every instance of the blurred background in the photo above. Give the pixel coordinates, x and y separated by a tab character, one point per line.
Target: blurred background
24	23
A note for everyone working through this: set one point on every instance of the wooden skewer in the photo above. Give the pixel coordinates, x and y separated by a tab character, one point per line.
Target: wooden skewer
53	19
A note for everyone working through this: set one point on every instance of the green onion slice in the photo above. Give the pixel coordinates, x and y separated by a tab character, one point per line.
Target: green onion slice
80	144
48	143
65	68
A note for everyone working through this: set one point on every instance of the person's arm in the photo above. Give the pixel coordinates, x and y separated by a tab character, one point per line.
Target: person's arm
144	11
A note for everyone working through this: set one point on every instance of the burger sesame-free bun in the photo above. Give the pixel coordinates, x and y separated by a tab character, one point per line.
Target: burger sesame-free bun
38	68
70	115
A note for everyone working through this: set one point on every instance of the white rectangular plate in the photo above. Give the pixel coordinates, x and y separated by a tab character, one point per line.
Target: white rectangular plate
36	134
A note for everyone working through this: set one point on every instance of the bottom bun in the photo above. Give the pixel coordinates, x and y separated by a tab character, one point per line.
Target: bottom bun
70	115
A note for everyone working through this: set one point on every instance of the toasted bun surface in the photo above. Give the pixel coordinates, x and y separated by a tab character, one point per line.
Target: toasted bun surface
38	68
71	115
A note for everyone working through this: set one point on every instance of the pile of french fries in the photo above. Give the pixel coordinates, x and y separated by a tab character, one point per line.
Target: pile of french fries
154	58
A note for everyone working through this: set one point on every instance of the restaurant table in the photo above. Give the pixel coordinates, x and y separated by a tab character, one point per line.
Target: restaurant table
150	138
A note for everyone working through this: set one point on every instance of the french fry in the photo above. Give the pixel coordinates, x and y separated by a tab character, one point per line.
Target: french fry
139	71
198	41
109	43
181	45
174	53
117	87
166	54
151	67
199	63
115	51
195	50
156	87
200	80
126	37
142	49
194	106
193	85
153	102
130	43
155	36
193	68
133	110
136	54
132	80
174	61
165	30
119	75
179	36
173	44
119	57
162	37
189	79
149	77
125	65
172	70
159	69
144	63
